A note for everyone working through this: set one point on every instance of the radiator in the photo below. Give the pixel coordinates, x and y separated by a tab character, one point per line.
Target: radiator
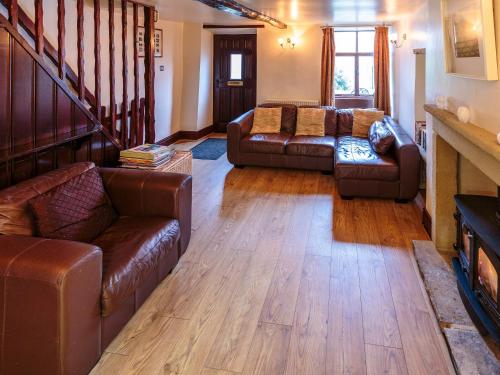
295	102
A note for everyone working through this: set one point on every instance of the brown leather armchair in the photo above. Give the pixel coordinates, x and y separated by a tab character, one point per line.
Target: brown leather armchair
63	302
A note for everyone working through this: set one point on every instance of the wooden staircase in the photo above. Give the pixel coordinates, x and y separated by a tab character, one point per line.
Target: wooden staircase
48	118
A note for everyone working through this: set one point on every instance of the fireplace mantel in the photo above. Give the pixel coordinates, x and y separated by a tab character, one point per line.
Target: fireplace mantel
449	139
474	143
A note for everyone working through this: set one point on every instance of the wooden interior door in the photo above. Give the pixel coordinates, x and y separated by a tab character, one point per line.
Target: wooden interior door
235	77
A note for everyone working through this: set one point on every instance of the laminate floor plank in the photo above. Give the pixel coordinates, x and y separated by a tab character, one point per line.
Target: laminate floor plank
379	316
345	341
279	306
308	342
268	353
383	360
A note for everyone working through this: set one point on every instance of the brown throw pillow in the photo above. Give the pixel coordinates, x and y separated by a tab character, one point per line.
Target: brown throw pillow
266	121
78	210
311	121
363	119
381	138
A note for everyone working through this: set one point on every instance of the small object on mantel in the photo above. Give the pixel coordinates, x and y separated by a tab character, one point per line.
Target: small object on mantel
441	102
463	114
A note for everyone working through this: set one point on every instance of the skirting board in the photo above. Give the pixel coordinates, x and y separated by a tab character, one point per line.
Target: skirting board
190	135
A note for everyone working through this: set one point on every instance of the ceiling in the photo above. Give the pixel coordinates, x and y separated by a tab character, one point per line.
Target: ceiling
336	12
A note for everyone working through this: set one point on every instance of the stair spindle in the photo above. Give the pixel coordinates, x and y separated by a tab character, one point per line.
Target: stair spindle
81	52
97	55
149	75
61	35
134	131
124	122
112	99
39	27
13	13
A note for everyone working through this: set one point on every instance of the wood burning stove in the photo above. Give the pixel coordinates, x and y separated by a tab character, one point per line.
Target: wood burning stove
478	262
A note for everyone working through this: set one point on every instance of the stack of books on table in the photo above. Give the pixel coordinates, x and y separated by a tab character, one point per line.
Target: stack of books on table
148	156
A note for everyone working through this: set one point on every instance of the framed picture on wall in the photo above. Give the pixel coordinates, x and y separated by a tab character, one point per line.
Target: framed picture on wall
158	42
469	39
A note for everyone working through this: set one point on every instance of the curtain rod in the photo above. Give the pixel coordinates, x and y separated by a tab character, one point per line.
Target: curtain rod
358	25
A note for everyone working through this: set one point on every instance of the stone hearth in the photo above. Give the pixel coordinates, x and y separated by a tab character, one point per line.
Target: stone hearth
471	354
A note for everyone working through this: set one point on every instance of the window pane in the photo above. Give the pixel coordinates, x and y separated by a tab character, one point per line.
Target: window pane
345	41
366	75
344	75
236	66
366	40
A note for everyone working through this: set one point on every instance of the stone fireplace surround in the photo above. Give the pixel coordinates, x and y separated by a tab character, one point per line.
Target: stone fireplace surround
450	139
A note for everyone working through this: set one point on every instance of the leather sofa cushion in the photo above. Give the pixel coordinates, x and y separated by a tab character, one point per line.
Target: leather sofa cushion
288	116
78	210
266	120
265	143
330	121
15	215
311	146
381	138
363	120
132	248
311	121
345	120
356	159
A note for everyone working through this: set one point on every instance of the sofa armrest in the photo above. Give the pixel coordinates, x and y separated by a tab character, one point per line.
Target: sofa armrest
50	306
236	131
146	193
408	157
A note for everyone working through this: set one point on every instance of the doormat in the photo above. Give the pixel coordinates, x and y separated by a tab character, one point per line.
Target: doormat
210	149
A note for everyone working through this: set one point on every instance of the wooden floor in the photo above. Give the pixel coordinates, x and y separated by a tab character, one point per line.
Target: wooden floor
283	277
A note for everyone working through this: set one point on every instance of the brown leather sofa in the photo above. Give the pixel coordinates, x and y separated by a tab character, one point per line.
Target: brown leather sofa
63	302
358	169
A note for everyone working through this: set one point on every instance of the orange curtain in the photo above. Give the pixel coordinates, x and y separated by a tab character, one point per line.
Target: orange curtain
328	67
382	86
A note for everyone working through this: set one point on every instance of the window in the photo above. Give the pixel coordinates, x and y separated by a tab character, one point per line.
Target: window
236	66
354	70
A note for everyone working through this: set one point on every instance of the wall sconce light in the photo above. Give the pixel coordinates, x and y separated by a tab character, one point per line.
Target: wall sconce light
288	42
396	42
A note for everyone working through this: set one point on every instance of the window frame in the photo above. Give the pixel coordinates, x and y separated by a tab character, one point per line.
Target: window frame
356	56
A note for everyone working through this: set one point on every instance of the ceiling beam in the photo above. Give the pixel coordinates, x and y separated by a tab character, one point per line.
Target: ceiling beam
235	8
233	26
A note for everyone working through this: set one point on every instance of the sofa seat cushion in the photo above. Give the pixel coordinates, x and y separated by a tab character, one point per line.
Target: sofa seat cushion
356	159
304	145
132	248
265	143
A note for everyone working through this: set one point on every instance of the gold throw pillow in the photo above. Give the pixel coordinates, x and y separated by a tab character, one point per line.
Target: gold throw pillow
311	121
266	120
363	119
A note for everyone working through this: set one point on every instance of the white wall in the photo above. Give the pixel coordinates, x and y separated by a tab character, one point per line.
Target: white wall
205	95
287	73
197	77
424	30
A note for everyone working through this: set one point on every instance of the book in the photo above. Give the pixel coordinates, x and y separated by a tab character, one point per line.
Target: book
161	160
146	152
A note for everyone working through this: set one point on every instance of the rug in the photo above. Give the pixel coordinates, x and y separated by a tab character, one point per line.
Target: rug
210	149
